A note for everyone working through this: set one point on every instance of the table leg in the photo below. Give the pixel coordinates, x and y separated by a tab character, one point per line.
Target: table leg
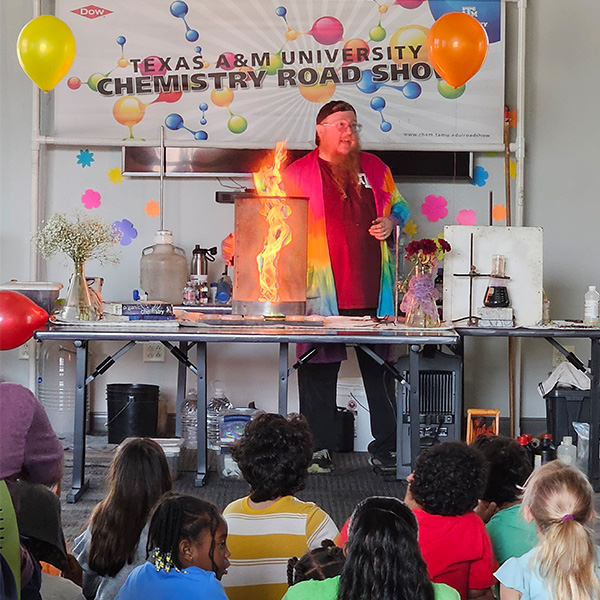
413	404
282	405
594	459
201	466
79	485
181	381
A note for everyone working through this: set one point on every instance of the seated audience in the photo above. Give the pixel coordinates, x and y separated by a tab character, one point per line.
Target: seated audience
320	563
187	542
270	525
500	505
443	491
564	566
383	560
114	543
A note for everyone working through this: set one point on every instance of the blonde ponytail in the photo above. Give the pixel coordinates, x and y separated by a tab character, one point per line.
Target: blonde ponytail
561	501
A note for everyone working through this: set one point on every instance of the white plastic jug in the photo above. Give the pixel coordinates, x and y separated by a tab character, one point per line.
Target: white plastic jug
163	269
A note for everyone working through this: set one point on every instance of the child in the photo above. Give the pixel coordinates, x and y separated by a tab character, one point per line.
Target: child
320	563
270	525
383	560
564	566
443	490
115	541
187	541
500	504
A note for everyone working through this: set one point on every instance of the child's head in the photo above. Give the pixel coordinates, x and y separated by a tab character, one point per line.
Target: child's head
320	563
139	472
273	455
186	531
560	499
448	479
138	476
509	468
383	557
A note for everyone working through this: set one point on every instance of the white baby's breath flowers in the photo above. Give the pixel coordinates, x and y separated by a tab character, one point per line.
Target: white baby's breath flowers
81	239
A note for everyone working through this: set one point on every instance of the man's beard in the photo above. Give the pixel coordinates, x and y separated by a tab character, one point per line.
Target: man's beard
345	172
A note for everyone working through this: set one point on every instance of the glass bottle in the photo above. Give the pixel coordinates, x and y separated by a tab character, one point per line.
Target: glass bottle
496	295
78	304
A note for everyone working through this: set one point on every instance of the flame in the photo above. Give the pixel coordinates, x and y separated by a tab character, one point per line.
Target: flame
279	234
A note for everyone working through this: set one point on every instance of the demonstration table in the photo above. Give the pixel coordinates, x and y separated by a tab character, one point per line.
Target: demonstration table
180	340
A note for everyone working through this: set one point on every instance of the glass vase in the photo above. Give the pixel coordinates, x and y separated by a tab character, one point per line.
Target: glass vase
419	301
78	304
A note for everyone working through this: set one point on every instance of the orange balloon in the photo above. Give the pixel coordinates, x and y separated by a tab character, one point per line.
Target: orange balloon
457	45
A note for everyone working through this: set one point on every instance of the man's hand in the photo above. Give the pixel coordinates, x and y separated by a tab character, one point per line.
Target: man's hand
382	227
486	510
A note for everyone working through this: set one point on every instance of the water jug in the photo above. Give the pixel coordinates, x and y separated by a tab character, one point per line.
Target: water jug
56	385
163	269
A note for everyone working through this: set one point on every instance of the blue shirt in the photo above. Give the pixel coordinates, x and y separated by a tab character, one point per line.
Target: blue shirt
146	583
523	574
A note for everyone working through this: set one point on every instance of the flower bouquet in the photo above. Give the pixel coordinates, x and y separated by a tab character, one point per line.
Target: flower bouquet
418	302
81	239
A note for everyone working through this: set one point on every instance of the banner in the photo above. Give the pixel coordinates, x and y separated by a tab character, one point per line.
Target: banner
247	74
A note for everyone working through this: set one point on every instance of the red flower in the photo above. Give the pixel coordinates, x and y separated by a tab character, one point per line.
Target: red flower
444	245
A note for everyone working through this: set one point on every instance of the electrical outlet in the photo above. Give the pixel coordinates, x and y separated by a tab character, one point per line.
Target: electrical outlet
24	351
154	352
558	357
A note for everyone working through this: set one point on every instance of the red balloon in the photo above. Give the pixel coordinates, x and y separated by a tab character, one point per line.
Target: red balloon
457	45
19	317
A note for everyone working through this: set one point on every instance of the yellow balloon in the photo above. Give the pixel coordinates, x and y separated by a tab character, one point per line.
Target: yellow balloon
46	49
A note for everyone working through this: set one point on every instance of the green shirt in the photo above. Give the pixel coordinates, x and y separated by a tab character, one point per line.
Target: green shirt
510	534
327	589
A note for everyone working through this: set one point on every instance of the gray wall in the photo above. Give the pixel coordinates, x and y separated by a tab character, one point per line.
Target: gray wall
561	179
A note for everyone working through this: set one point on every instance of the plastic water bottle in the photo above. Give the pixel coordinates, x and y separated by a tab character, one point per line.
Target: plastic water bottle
189	420
591	311
214	407
56	386
224	286
567	452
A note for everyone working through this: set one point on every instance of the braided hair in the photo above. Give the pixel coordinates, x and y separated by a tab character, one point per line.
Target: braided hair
319	563
179	517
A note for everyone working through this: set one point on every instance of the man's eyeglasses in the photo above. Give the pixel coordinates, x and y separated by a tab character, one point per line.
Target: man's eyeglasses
341	126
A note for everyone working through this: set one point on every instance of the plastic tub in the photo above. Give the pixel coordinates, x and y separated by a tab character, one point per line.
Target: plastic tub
172	450
43	293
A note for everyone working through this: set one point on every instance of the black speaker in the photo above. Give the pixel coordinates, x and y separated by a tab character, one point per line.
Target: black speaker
440	400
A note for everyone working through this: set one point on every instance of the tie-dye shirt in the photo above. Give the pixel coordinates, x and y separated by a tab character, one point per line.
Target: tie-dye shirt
303	178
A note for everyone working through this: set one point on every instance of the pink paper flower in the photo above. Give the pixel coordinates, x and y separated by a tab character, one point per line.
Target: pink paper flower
466	217
91	199
435	208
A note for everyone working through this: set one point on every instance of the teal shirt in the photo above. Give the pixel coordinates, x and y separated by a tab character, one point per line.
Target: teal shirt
327	589
510	534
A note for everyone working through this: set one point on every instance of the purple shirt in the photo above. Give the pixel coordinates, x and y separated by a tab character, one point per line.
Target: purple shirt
29	448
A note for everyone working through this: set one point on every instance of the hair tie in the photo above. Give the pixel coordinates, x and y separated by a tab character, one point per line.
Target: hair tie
567	517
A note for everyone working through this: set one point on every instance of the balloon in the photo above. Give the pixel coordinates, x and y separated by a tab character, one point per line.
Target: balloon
19	317
46	49
457	45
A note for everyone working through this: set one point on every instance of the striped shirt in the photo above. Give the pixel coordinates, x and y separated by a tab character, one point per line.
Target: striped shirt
262	541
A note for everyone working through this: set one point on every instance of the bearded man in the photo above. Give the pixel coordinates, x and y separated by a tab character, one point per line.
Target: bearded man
354	208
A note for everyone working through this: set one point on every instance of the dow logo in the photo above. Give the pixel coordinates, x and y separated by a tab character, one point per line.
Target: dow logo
92	12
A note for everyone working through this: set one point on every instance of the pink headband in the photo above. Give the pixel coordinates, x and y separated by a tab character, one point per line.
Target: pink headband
567	517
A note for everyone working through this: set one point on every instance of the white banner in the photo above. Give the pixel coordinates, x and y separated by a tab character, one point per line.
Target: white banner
247	74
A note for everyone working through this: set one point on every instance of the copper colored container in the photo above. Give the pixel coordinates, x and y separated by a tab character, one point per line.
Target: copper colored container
270	255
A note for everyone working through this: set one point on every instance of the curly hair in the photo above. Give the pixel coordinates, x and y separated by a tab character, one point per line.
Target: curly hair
273	455
449	479
509	468
383	560
319	563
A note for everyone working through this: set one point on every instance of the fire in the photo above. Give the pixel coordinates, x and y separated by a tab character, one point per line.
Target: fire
279	234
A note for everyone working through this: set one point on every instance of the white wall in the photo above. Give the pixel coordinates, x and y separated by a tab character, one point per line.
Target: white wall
561	178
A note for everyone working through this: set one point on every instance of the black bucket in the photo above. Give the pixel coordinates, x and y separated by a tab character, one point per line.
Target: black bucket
132	410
